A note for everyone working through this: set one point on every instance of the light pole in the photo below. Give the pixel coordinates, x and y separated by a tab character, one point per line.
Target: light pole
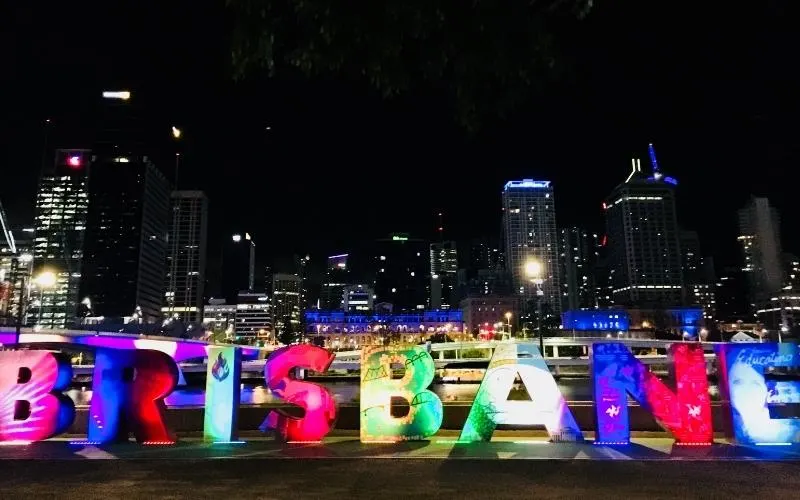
508	322
533	271
45	280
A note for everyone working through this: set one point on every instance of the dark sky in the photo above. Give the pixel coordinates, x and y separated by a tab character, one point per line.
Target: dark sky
714	85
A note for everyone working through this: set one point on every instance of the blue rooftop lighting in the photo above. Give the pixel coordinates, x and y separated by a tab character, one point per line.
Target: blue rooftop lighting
526	184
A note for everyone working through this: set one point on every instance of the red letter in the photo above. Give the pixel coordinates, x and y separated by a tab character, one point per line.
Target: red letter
319	406
128	391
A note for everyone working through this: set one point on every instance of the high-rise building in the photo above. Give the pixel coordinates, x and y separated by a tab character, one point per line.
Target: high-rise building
484	254
238	266
577	259
444	275
643	240
698	277
402	267
286	302
253	318
337	277
62	204
125	247
531	243
603	286
358	298
186	256
16	265
759	234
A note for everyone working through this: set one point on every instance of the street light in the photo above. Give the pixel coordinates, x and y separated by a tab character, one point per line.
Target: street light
45	280
533	271
508	320
176	132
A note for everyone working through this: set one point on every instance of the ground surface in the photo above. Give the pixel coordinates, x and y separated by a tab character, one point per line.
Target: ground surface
344	468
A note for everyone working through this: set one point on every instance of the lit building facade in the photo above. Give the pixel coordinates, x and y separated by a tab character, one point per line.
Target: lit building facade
358	298
402	267
219	320
759	235
529	223
16	266
186	256
444	274
337	276
339	329
125	245
643	241
488	313
62	206
577	260
253	319
698	276
287	292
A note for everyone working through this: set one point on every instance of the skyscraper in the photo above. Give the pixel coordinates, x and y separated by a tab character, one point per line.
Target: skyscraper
577	259
531	243
444	275
759	234
186	256
402	266
286	302
62	204
337	277
125	248
643	240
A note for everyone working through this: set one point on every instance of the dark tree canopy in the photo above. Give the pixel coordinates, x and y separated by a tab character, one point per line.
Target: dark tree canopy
485	56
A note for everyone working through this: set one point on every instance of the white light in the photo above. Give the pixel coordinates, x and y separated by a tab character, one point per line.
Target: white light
237	238
120	94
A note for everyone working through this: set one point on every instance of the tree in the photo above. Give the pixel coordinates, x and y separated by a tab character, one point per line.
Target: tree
486	57
287	335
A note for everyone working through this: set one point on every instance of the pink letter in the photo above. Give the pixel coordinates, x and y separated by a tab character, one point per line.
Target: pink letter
30	409
319	405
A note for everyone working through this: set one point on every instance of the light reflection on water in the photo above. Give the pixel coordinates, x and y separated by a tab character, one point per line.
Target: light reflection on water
347	392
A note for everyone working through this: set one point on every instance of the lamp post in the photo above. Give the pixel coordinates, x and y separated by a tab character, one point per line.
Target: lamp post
45	280
508	322
533	271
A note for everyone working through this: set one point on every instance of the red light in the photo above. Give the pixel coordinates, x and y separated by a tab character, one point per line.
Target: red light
74	161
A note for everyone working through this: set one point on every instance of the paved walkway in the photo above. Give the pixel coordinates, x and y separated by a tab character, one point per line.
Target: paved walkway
439	448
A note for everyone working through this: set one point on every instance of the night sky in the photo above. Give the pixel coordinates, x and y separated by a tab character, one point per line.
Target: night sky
716	90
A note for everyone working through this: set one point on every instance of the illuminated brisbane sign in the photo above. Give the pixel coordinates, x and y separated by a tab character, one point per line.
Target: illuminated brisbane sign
129	387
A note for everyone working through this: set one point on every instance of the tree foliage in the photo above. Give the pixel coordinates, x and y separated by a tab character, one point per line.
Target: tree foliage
485	56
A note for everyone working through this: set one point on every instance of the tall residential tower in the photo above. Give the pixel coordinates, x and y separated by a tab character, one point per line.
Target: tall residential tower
531	242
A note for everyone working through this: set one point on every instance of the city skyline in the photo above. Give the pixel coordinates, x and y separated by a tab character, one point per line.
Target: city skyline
247	140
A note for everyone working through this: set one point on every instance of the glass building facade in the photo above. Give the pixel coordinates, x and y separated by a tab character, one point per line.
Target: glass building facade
529	226
62	205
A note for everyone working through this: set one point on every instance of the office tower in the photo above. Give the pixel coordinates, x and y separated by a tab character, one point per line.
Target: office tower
16	266
444	275
643	240
698	276
62	204
484	254
125	248
337	276
286	302
759	234
402	266
358	298
253	318
186	256
531	244
238	266
603	289
577	260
